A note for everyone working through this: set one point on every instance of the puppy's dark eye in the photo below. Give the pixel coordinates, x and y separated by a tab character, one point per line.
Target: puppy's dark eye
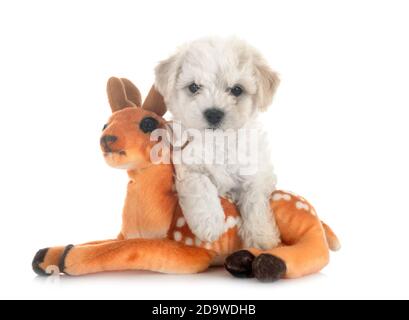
105	126
236	91
194	88
148	124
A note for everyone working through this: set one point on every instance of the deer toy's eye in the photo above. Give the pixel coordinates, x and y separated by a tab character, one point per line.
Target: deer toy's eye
105	126
148	124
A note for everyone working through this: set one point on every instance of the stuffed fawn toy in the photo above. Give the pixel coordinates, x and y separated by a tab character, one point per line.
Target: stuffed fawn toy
154	233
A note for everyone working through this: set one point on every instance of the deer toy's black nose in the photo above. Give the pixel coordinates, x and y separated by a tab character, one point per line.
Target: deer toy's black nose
107	141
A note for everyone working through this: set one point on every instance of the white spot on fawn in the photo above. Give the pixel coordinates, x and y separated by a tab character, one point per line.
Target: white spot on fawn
177	236
180	222
198	242
231	222
281	196
302	206
189	241
238	222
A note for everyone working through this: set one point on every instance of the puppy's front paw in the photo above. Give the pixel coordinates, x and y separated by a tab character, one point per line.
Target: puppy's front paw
208	227
256	234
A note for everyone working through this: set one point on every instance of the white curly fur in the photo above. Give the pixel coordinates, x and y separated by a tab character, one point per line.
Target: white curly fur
217	65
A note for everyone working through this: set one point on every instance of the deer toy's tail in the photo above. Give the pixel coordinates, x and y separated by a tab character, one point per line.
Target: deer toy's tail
333	242
306	242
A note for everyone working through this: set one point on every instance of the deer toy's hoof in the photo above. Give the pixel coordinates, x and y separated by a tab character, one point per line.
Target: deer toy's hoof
239	264
38	260
268	268
61	265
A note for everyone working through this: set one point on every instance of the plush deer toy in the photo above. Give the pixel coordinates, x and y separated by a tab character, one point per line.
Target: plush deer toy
154	233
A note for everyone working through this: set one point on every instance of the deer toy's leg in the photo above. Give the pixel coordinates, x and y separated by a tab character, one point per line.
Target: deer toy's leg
47	260
164	256
307	256
304	250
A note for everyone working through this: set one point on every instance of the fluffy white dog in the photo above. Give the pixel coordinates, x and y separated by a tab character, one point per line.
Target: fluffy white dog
222	85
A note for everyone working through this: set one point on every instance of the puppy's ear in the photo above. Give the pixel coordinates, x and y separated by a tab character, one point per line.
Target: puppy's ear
166	73
268	81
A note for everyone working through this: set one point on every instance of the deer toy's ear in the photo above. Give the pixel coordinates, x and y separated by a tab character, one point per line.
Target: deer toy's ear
154	102
132	92
122	93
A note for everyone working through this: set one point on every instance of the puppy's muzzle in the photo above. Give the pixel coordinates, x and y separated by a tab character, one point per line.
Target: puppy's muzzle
213	116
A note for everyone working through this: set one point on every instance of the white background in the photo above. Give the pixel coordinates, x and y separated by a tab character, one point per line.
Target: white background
339	128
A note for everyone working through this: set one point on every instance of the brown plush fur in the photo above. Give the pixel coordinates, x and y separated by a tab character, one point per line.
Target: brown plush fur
154	235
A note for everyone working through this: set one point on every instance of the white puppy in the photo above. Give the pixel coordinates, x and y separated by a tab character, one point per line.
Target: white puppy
223	84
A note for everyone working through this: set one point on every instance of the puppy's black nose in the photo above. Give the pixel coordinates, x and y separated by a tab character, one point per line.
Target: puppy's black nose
106	141
214	116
